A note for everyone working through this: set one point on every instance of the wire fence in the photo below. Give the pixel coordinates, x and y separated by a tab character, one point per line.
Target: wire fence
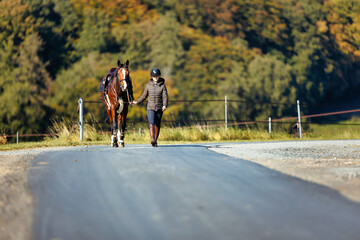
222	122
290	123
196	121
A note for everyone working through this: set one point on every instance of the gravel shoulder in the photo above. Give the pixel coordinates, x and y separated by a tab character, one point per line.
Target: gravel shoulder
335	163
16	199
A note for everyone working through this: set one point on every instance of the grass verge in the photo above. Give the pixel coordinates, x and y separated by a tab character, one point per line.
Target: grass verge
67	134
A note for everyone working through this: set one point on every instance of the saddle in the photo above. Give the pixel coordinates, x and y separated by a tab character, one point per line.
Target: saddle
105	81
104	85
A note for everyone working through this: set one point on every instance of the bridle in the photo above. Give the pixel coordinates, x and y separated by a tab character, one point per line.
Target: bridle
123	79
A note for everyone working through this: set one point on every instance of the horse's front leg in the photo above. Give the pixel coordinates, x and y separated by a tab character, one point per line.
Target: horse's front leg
123	126
108	111
113	128
119	133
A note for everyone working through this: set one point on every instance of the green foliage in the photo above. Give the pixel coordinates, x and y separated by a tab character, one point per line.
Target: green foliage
263	24
268	80
49	27
24	89
308	49
95	34
16	21
81	80
166	47
134	43
189	12
54	51
344	23
206	66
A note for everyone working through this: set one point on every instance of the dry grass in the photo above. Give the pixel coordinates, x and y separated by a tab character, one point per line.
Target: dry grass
67	134
3	139
219	134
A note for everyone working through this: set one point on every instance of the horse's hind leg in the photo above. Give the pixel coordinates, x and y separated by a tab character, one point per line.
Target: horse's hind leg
121	134
115	138
120	140
114	142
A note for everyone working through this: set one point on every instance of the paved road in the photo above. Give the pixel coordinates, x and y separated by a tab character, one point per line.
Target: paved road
179	192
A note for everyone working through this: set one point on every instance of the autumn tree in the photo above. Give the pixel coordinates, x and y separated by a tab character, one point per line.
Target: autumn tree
133	41
82	80
206	65
267	86
95	34
344	25
25	89
119	11
166	46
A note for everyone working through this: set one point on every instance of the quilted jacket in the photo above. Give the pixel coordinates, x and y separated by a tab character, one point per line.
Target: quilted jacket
157	93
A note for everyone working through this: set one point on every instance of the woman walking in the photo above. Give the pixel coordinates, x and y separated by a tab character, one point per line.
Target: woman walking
156	90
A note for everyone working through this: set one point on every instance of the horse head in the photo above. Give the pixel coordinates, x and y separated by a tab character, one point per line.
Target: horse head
122	74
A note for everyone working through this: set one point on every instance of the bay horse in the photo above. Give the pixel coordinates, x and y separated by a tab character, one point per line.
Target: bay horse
119	99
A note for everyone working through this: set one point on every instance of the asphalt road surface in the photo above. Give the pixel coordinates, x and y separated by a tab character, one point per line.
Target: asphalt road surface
179	192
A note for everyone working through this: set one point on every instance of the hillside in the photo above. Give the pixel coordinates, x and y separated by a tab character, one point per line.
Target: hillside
54	51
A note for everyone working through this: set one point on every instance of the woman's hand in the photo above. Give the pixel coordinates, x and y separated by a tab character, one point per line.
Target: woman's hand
163	108
133	103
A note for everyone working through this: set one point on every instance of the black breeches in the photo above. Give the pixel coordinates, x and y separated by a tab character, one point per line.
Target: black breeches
154	117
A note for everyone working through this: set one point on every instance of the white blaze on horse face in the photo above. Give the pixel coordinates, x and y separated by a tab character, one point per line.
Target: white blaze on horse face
124	74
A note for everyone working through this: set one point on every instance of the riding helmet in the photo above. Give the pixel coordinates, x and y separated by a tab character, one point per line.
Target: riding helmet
155	72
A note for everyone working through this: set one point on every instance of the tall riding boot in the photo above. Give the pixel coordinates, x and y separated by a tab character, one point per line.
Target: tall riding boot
152	134
157	131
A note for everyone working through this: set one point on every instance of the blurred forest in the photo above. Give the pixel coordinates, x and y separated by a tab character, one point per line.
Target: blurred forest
53	52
